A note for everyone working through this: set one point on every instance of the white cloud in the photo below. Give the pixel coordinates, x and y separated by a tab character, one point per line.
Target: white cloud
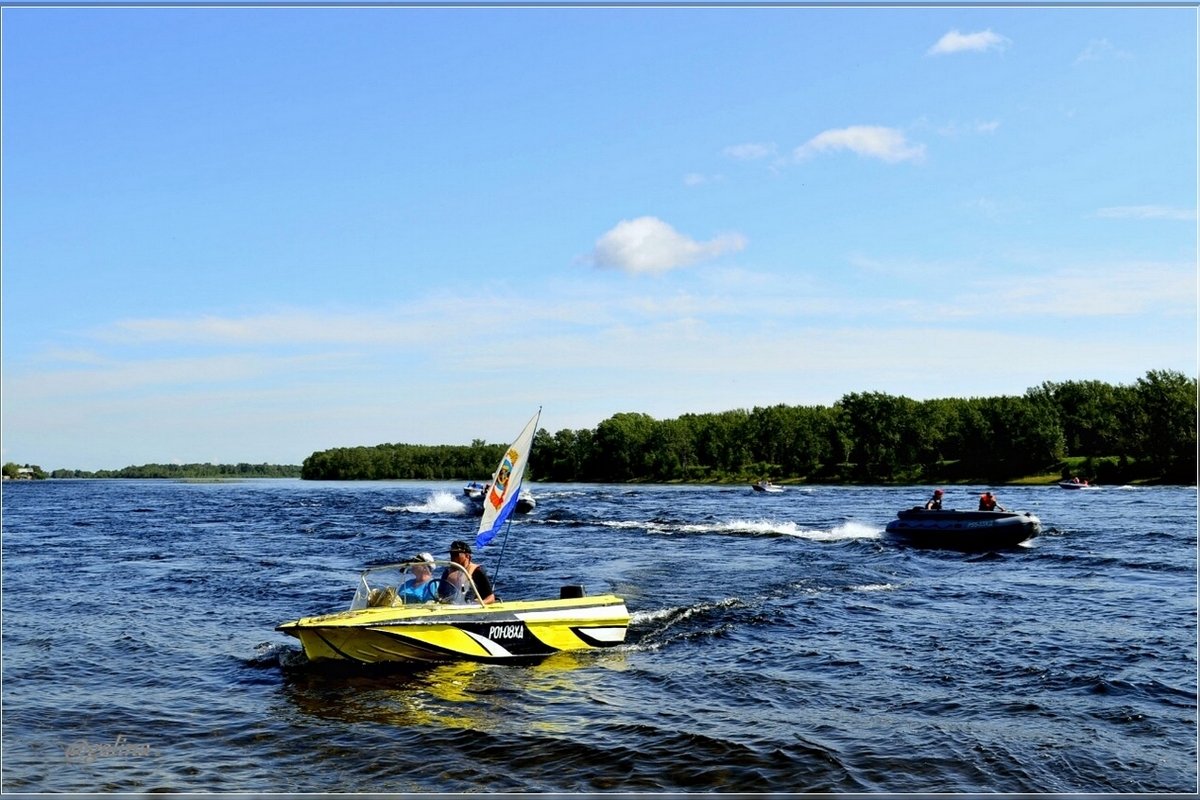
1101	49
278	328
693	179
1104	290
1147	212
117	377
986	207
978	127
956	42
1110	290
872	141
750	151
647	244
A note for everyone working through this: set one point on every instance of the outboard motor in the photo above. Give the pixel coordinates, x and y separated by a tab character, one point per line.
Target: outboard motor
570	592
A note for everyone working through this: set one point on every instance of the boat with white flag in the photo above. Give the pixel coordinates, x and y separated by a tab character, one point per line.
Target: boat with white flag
401	613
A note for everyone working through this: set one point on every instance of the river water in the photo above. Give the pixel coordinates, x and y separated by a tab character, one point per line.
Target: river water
778	643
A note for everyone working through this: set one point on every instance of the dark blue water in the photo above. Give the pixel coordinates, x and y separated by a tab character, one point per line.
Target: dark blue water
778	643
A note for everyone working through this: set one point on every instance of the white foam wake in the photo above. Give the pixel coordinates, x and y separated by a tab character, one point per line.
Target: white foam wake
764	527
442	502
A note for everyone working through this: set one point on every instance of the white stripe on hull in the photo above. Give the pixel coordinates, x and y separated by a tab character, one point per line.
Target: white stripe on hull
608	635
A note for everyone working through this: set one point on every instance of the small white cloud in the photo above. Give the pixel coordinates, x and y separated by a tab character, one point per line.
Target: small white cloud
986	207
700	179
955	128
872	141
751	151
1147	212
1099	50
647	244
956	42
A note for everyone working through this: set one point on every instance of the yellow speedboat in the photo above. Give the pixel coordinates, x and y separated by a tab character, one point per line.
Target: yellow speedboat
389	622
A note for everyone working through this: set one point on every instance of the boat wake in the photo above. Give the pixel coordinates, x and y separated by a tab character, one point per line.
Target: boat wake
273	655
442	502
847	530
654	630
807	588
764	527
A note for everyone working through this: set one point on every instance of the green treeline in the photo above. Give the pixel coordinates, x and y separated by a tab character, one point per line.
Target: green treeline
1109	434
407	461
187	471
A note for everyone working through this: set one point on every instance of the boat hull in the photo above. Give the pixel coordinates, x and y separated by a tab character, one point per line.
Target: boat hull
431	634
964	530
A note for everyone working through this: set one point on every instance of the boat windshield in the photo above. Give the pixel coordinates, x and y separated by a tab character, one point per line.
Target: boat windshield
414	583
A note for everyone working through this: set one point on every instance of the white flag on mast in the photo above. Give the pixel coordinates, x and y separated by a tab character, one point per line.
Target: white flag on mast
501	496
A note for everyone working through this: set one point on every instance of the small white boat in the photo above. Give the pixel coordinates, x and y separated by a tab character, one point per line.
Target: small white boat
1075	483
766	487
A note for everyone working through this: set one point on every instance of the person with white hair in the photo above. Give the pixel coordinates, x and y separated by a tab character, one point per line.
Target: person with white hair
420	588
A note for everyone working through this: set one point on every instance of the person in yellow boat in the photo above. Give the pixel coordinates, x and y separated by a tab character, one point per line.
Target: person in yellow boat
460	553
420	588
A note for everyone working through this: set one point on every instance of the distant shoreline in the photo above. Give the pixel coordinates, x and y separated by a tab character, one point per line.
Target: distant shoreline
1032	480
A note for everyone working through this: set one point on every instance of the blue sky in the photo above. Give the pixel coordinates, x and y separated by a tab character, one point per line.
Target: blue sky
247	234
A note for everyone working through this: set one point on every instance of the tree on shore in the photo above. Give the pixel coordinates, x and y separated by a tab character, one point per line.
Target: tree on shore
15	471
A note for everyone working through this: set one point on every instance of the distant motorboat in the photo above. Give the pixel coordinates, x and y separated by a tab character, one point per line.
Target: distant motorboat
766	487
1075	483
473	494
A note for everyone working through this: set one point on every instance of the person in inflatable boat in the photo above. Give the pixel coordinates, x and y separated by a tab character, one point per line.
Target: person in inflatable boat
987	502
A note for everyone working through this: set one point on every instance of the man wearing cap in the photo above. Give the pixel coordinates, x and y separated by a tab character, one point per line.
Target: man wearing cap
935	503
460	554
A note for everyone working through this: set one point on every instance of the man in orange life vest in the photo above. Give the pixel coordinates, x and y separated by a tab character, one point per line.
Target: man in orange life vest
987	502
